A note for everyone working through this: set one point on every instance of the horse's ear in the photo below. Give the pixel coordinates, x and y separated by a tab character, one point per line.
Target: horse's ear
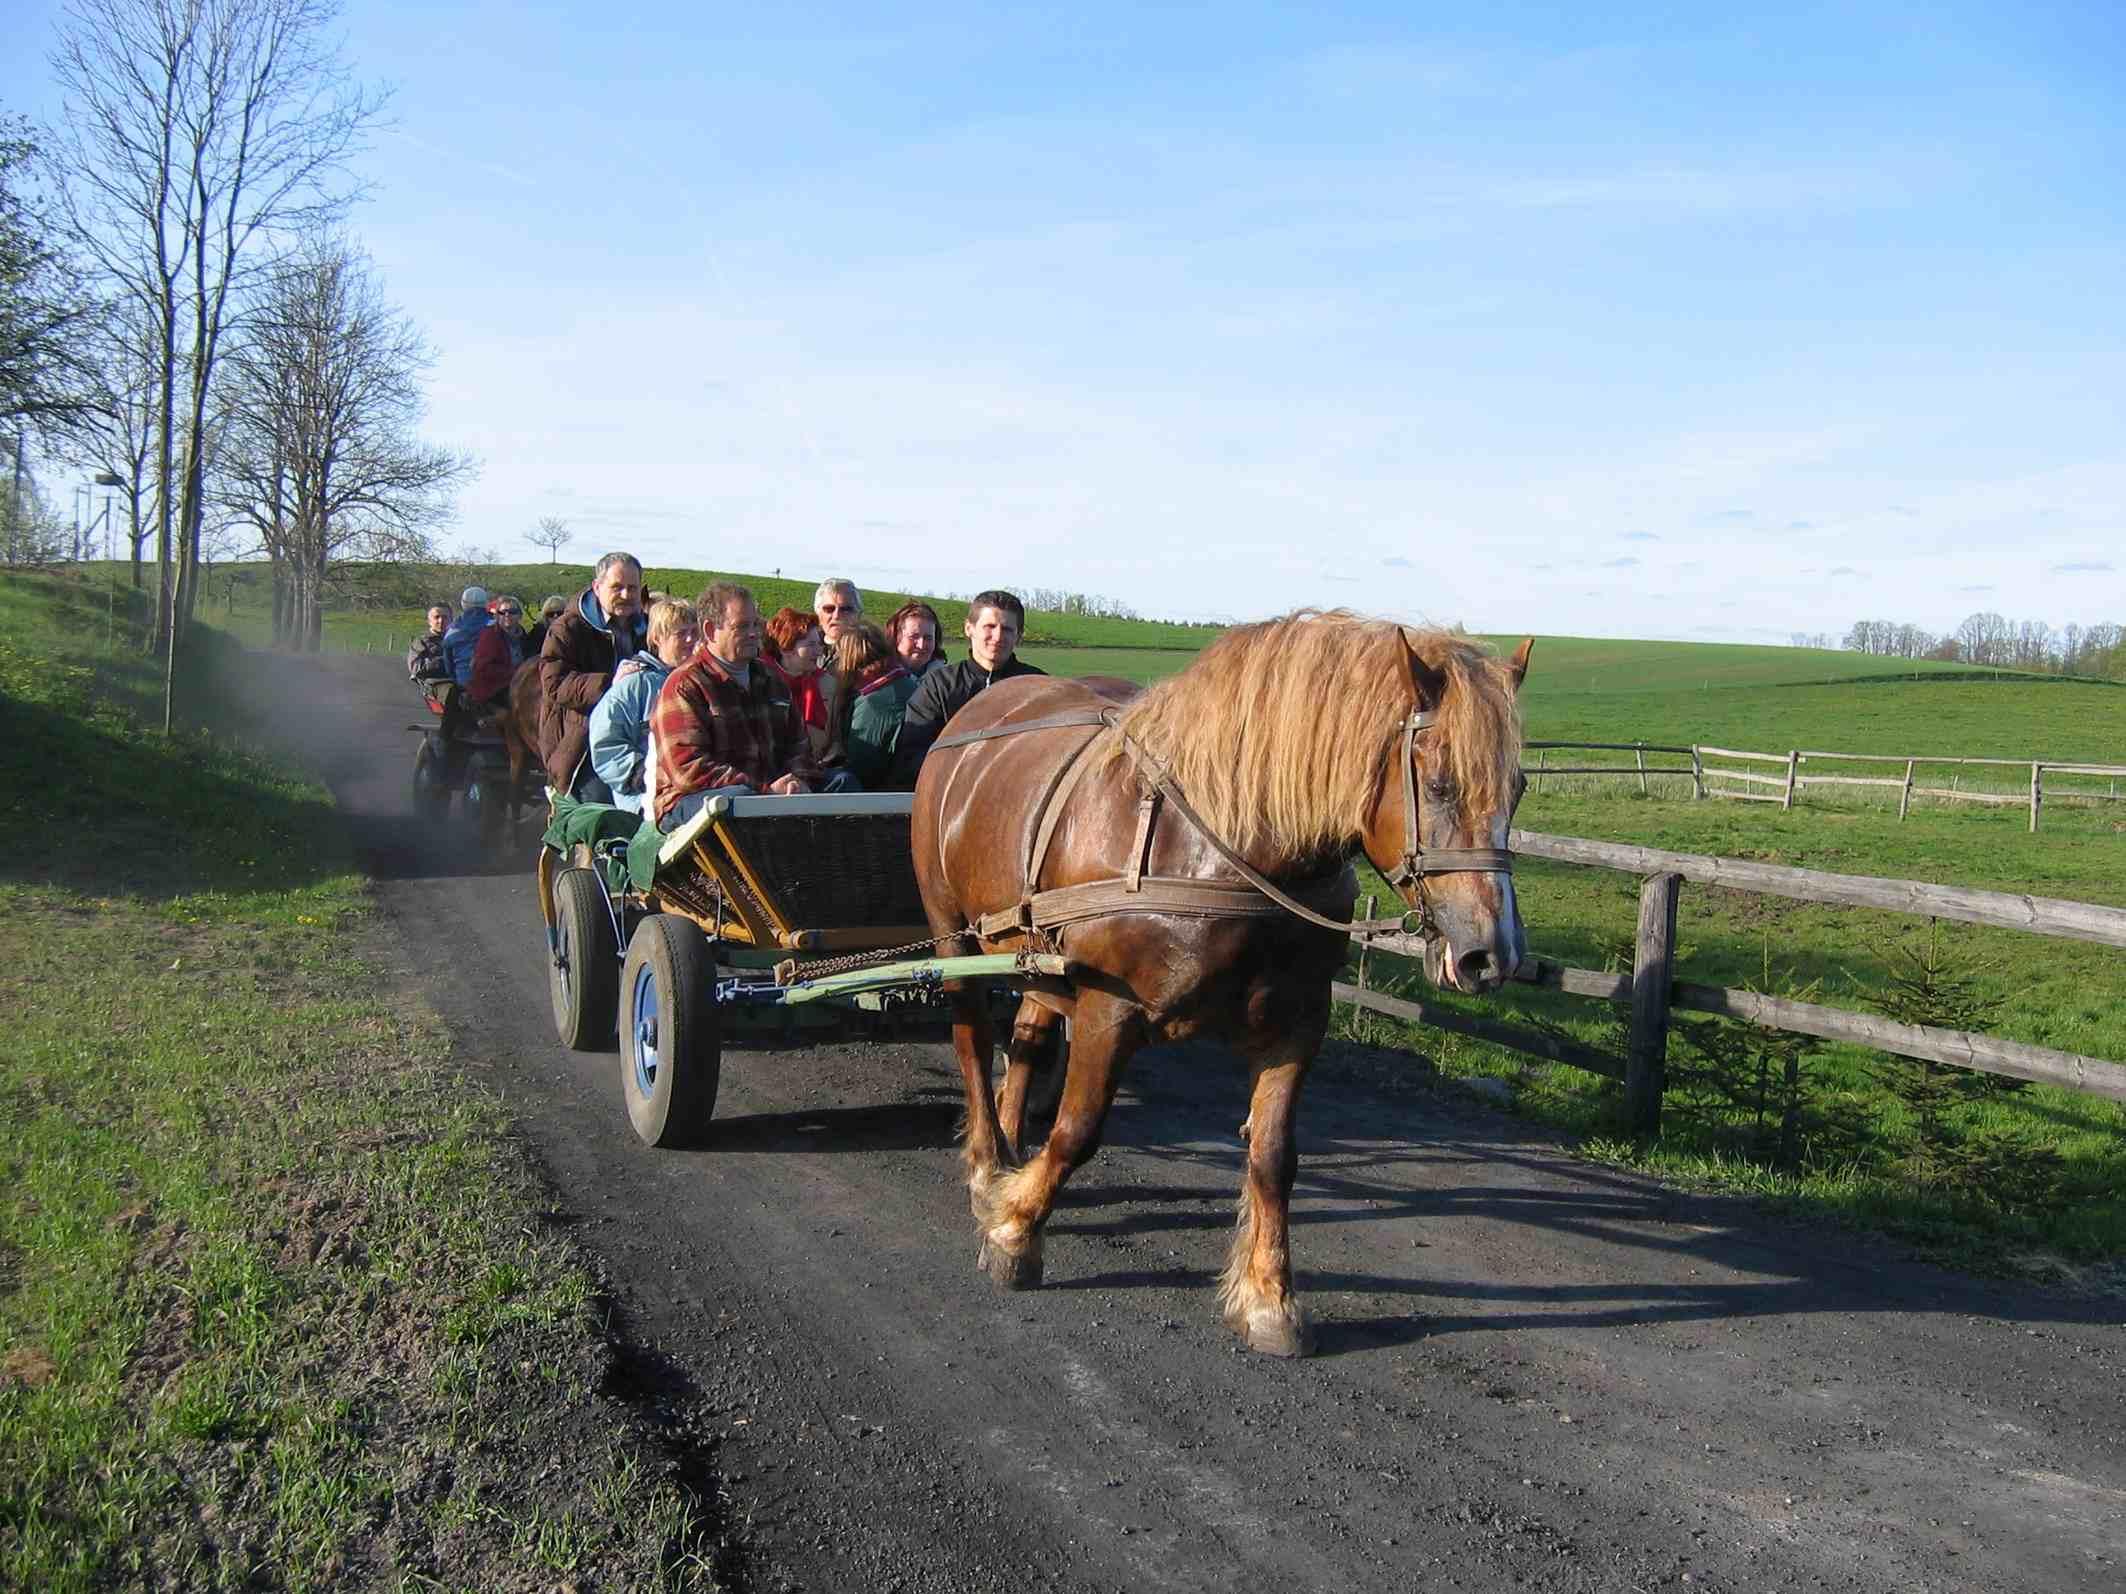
1518	668
1431	684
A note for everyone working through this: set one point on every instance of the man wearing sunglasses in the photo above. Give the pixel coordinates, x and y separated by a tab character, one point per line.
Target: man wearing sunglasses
839	608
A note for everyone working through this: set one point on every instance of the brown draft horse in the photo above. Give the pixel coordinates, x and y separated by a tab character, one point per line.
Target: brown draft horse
520	735
1287	738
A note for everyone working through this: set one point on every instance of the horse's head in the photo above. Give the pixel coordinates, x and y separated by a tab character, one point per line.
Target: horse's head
1454	770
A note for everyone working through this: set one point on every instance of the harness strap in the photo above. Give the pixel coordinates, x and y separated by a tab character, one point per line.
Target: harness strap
1060	787
1166	895
1163	783
1140	850
1048	722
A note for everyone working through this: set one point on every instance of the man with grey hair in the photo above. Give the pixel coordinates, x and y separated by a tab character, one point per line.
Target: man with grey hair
602	626
838	606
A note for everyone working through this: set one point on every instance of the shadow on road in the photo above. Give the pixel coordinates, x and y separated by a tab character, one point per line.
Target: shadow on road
889	1126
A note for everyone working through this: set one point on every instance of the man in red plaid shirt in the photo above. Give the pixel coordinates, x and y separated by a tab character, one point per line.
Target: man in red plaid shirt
724	724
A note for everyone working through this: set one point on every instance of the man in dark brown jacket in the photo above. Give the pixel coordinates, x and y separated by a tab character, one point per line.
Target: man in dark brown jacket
602	626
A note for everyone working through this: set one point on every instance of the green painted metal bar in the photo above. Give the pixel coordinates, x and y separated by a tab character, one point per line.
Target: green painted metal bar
989	966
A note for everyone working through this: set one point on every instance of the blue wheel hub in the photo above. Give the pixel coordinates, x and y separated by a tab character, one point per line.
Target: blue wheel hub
645	1032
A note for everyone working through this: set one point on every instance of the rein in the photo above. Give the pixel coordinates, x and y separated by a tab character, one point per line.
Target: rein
1412	871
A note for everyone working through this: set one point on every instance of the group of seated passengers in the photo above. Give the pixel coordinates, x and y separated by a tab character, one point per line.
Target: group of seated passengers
481	648
657	711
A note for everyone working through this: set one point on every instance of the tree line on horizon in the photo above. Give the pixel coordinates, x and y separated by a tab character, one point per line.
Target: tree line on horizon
1989	640
184	315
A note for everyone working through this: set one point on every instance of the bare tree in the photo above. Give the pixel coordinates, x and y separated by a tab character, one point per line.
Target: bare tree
200	136
322	459
42	301
115	435
552	534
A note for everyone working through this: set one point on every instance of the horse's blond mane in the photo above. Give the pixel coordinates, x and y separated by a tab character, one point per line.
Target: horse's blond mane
1281	731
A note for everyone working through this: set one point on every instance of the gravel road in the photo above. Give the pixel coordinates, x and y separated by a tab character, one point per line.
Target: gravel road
1531	1372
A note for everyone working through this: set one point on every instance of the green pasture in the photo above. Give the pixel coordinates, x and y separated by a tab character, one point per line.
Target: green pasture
2061	994
1604	665
277	1307
378	610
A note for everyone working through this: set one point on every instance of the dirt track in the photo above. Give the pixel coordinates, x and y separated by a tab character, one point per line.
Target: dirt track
1530	1371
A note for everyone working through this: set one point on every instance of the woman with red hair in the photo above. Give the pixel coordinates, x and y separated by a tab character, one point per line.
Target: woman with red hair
794	650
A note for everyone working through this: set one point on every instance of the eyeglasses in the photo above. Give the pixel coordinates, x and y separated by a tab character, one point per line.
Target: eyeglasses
506	613
839	608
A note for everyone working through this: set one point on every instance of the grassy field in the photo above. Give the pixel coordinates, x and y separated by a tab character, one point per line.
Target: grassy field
278	1305
1861	1155
239	598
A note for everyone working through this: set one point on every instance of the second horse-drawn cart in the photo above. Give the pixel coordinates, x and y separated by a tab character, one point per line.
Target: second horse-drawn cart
774	920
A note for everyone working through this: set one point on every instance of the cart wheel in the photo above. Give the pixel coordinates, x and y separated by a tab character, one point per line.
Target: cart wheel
431	786
671	1036
583	964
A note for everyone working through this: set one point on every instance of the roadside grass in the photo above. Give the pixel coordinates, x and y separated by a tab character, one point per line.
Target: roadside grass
278	1305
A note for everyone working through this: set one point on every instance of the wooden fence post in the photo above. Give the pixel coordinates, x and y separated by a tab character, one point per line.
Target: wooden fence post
1652	974
1697	775
2037	793
1793	763
1542	762
1639	753
1357	1013
1904	798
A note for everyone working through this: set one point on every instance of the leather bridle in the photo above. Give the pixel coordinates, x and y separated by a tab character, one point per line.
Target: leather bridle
1408	876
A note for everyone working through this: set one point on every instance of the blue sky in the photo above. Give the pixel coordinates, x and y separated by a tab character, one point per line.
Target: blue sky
1596	320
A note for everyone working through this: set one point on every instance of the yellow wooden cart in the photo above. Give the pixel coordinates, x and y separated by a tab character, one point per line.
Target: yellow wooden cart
774	919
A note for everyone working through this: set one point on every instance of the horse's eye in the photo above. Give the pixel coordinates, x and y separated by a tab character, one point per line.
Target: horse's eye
1441	789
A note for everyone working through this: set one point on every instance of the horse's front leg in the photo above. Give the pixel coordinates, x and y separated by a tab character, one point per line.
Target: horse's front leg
1033	1037
1256	1289
1104	1030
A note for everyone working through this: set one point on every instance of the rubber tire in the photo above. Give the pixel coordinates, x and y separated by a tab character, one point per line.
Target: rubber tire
431	795
585	995
668	961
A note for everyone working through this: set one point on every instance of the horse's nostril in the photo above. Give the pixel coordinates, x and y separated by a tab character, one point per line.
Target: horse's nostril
1474	968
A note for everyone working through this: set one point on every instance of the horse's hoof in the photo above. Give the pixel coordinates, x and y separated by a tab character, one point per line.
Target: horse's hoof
1014	1270
1279	1333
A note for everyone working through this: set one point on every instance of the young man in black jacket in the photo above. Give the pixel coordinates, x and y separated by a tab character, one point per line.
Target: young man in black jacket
995	621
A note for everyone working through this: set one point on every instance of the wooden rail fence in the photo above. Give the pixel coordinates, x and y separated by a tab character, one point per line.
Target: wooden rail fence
1793	781
1652	992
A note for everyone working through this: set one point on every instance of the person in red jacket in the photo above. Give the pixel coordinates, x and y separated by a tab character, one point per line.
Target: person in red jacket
724	723
496	655
794	650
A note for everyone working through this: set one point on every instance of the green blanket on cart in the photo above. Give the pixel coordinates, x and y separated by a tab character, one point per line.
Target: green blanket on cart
624	844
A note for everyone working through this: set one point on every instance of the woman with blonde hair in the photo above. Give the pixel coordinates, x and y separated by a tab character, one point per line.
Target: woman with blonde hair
620	747
872	691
